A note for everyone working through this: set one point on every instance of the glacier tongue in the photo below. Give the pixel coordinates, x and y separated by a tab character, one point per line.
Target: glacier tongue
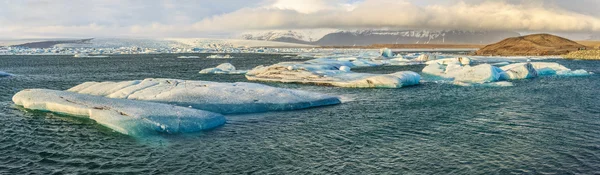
225	98
129	117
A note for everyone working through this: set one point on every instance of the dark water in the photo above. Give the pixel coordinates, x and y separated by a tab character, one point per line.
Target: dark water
547	125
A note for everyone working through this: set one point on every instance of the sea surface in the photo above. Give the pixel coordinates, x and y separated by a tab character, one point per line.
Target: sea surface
547	125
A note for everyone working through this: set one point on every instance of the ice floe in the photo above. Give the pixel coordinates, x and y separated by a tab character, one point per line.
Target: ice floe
519	71
550	68
85	55
129	117
225	68
330	73
387	53
188	57
4	74
463	74
426	57
220	56
225	98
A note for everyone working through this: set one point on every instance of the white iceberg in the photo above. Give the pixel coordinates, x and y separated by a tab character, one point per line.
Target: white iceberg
426	57
225	98
486	73
188	57
549	68
386	53
333	74
446	61
218	56
129	117
225	68
519	71
85	55
483	73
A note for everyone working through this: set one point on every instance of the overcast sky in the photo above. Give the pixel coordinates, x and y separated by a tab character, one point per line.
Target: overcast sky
216	18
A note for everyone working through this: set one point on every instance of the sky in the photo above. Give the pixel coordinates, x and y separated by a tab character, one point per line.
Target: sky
222	18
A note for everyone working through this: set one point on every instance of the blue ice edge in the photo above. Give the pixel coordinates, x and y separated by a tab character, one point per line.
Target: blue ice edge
129	117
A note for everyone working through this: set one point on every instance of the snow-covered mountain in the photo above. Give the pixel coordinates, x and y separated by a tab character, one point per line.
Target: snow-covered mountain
281	36
369	37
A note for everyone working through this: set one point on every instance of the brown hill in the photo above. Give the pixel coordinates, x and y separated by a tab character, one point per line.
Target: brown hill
531	45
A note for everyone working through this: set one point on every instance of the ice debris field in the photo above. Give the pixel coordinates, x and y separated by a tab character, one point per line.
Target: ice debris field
151	106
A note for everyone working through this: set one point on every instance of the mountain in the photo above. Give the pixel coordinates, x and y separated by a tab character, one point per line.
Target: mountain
595	37
280	36
531	45
43	43
370	37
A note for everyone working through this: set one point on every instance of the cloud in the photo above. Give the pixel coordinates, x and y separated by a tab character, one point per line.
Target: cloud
193	18
486	15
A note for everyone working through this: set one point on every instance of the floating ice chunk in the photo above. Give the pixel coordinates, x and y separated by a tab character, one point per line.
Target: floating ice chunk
188	57
549	68
330	75
501	64
225	98
446	61
220	56
519	71
4	74
225	68
85	55
386	53
400	61
575	73
468	74
436	69
129	117
426	57
492	84
483	73
345	68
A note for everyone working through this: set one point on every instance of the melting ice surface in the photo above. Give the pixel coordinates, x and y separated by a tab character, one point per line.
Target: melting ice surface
129	117
462	73
225	98
225	68
332	72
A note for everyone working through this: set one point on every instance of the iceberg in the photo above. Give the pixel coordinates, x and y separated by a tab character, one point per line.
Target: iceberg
4	74
483	73
128	117
426	57
188	57
519	71
224	98
386	53
220	56
549	68
486	74
85	55
332	74
446	61
225	68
